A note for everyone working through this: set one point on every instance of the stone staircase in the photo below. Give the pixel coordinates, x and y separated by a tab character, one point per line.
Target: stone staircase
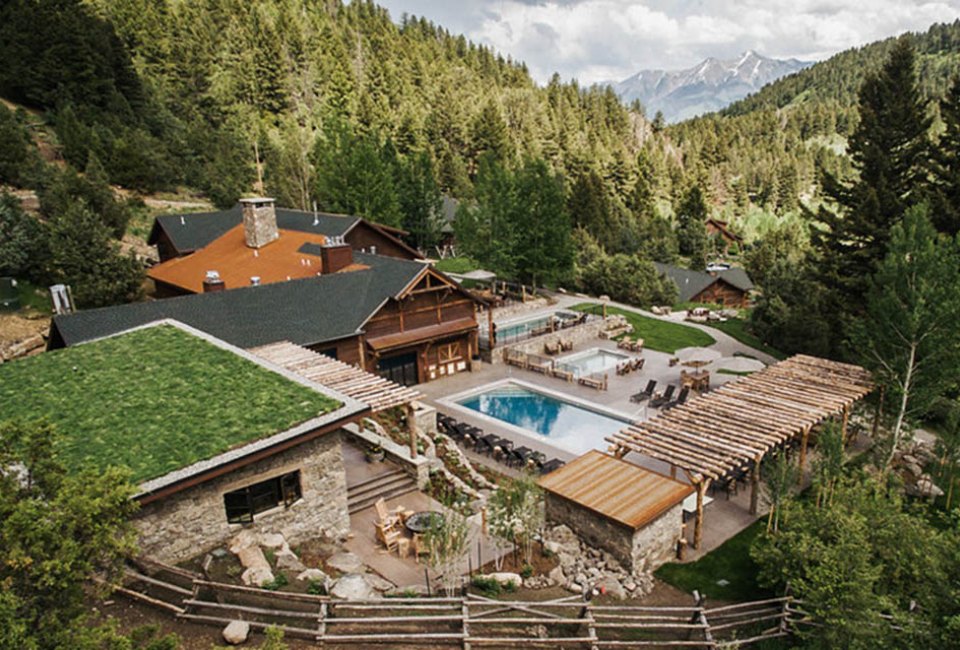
389	484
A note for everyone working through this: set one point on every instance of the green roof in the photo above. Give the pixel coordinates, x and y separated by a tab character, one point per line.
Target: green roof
156	400
690	283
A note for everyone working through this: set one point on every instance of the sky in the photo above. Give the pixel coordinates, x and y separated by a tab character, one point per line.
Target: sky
609	40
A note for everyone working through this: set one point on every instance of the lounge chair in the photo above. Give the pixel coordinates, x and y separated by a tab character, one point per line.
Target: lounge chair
646	394
551	465
663	398
681	399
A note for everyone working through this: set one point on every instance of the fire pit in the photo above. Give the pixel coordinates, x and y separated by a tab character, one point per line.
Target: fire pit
419	522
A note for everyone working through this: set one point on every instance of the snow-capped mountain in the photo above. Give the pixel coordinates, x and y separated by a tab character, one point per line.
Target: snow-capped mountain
708	86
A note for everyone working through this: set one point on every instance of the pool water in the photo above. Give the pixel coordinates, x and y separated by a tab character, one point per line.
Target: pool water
517	329
593	360
569	426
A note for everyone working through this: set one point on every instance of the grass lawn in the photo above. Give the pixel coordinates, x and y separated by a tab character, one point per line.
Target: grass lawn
457	265
154	400
730	562
659	335
737	328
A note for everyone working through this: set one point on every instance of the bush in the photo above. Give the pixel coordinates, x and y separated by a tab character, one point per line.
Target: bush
487	586
316	588
629	279
279	581
526	571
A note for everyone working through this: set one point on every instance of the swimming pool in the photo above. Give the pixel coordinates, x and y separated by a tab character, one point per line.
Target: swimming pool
558	421
592	360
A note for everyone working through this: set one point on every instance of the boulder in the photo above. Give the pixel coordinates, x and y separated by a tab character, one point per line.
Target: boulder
378	583
288	560
272	540
505	577
244	539
612	586
567	559
552	547
556	574
353	587
257	576
313	575
236	632
346	563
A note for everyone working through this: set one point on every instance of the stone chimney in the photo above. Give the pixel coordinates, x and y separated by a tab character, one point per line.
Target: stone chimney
335	254
259	221
213	282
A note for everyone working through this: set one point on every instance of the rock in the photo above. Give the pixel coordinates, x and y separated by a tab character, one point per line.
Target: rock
630	586
552	547
612	586
573	587
593	572
378	583
505	577
908	459
244	539
925	487
236	632
272	540
289	561
313	575
556	574
353	587
257	576
566	559
913	468
581	579
346	563
219	553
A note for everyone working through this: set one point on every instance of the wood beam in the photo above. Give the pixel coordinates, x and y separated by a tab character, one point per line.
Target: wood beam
698	525
755	485
803	452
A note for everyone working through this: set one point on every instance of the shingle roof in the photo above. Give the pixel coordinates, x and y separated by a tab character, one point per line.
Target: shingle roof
690	283
189	232
305	312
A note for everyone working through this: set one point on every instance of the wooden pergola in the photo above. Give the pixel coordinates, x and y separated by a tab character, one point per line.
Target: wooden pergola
379	393
735	425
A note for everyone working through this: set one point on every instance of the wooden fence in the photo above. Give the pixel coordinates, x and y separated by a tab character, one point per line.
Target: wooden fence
468	621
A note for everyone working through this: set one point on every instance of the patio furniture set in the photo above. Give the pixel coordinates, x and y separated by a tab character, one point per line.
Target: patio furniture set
500	449
401	530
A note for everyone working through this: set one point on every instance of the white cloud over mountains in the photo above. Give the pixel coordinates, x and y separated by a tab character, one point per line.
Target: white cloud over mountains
599	40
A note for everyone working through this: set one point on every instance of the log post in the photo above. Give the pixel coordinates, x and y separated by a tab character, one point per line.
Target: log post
845	418
491	330
803	454
755	485
876	414
698	525
412	427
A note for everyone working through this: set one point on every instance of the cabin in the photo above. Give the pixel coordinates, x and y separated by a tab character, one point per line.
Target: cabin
178	235
720	230
729	288
398	318
244	443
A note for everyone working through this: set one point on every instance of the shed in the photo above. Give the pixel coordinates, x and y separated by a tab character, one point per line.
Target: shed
634	514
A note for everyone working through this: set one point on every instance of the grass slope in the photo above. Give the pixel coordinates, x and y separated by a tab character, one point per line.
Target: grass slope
730	562
737	328
153	400
457	265
657	334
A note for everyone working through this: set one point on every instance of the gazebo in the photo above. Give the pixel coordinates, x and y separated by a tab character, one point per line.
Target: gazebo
734	426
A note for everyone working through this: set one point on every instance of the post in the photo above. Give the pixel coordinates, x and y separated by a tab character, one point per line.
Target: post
876	414
698	524
412	426
843	424
755	485
803	454
491	330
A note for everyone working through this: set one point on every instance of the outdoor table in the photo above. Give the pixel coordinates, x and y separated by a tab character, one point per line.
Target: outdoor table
419	522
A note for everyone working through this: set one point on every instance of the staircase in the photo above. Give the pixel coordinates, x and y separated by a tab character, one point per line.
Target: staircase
389	484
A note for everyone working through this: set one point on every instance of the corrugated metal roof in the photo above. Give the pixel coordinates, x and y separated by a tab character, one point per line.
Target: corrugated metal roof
618	490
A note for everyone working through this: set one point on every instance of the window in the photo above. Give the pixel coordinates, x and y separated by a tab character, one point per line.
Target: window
243	504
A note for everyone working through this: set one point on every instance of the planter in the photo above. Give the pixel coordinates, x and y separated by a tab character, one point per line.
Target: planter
375	454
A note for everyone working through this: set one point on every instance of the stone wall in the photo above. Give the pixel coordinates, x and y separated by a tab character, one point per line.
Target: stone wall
656	542
577	334
638	551
520	308
195	521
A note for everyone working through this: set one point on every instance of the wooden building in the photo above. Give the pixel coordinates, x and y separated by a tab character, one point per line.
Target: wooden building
729	288
399	318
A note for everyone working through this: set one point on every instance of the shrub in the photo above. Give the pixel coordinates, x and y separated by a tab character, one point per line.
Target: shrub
279	581
316	588
526	571
487	586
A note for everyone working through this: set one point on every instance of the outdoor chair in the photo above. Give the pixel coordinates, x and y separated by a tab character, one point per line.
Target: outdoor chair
419	548
637	364
664	398
681	399
646	394
551	465
566	345
388	536
489	443
520	456
388	520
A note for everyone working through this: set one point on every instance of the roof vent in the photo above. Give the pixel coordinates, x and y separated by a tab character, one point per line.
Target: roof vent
255	280
373	250
212	282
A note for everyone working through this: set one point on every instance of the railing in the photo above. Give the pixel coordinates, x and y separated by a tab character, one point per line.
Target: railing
462	621
555	322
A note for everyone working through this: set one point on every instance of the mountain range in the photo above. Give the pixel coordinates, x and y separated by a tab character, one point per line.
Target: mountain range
709	86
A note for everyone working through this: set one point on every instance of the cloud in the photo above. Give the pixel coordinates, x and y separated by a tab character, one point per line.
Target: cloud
602	40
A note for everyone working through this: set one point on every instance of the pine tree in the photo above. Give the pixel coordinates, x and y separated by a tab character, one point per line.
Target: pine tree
945	201
420	201
691	227
544	249
889	150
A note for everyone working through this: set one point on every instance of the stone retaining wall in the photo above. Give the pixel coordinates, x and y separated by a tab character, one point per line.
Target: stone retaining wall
577	334
194	521
638	551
